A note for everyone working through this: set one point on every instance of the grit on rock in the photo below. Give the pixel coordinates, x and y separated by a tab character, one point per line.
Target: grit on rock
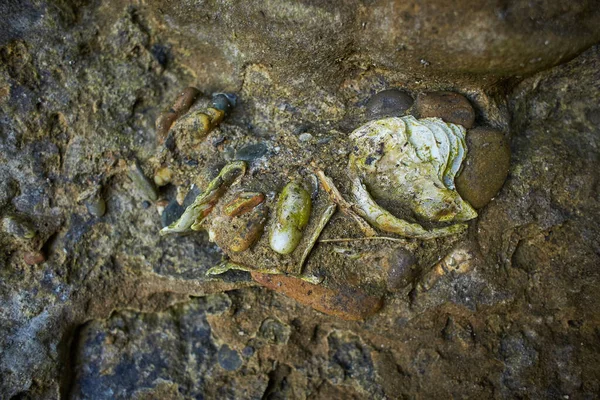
94	303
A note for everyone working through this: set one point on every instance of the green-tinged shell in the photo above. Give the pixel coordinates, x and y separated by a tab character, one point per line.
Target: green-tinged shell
204	203
410	163
292	215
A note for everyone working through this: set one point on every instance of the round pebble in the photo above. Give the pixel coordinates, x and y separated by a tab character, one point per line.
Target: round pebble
388	103
228	358
449	106
402	269
486	166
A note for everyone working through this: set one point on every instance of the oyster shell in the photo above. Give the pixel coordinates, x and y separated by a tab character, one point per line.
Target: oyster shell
410	164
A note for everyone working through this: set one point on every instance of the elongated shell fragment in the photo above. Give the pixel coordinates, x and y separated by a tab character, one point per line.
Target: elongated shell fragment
412	163
292	215
204	203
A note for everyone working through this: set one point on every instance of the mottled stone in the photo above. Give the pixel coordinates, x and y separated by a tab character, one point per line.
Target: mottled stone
485	167
401	268
229	359
449	106
388	103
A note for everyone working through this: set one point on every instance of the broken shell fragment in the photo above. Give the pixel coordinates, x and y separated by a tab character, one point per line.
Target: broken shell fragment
250	231
194	214
243	203
292	215
146	186
347	303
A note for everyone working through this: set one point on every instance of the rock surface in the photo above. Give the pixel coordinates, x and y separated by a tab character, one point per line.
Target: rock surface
116	311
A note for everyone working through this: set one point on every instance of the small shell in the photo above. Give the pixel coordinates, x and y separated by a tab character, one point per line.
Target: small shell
243	203
293	213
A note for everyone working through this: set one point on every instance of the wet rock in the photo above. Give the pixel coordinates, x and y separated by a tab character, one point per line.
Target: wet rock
229	359
388	103
449	106
350	303
401	268
274	331
18	226
486	166
145	185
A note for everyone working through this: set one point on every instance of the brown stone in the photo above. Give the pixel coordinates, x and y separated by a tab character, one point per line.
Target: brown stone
449	106
388	103
348	303
34	258
485	167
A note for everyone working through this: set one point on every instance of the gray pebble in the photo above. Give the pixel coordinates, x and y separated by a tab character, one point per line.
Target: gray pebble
388	103
228	358
251	152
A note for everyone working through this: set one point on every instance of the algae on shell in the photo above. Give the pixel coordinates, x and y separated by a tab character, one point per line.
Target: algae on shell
412	163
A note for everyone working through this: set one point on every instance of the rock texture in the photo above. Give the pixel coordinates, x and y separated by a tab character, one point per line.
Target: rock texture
101	306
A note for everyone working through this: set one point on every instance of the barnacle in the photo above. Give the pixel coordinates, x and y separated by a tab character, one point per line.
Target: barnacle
411	164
